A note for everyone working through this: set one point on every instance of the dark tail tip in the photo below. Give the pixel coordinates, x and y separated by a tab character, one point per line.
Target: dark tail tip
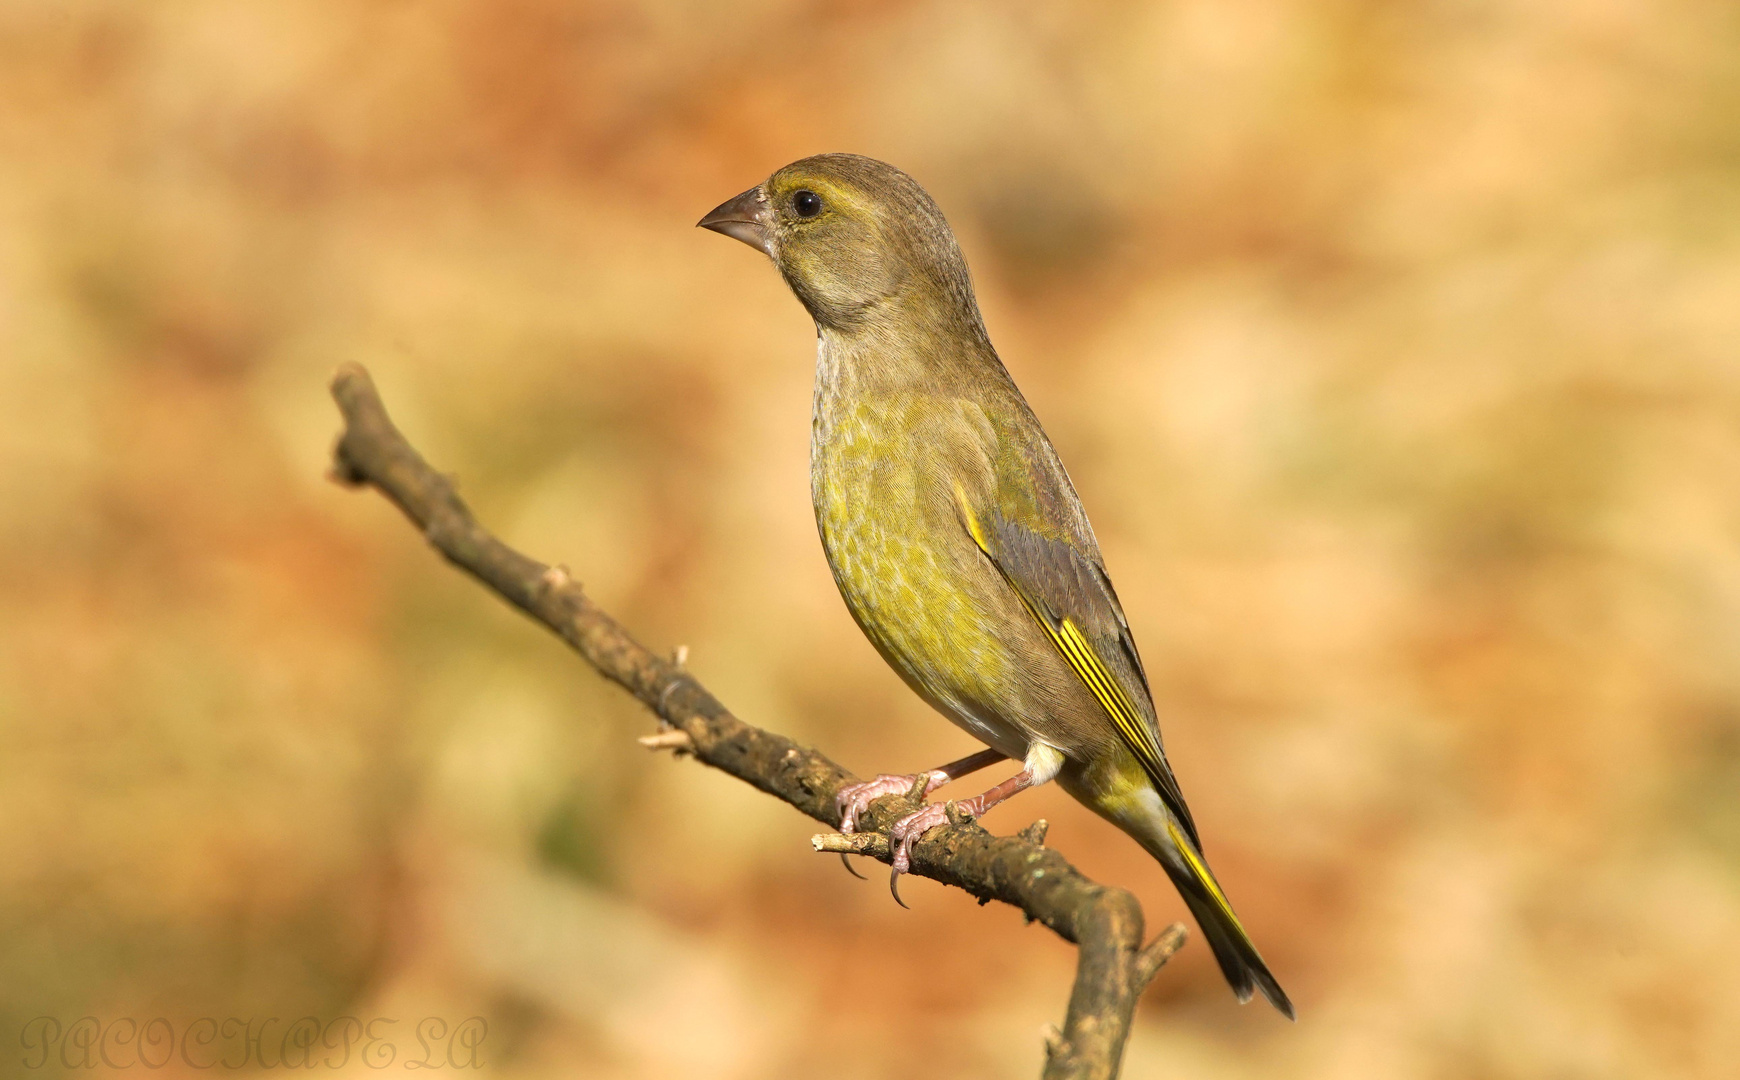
1272	990
1238	958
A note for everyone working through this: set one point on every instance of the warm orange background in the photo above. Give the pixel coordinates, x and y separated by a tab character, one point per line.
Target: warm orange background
1393	349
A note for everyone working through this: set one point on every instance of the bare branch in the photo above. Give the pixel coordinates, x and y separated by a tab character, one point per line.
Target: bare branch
1104	923
1154	955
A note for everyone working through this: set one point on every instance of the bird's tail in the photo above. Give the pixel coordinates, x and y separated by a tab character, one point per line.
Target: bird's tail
1233	948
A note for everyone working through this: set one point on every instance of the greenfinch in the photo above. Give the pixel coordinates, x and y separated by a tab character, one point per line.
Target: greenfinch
956	538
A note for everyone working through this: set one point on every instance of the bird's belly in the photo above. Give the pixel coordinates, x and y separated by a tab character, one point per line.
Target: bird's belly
906	578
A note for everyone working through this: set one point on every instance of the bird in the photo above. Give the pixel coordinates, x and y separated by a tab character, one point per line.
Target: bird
956	538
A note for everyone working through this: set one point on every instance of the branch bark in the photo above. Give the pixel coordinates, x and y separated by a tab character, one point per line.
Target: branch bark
1105	923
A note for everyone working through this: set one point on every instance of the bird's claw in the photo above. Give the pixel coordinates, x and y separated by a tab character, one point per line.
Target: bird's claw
907	832
853	799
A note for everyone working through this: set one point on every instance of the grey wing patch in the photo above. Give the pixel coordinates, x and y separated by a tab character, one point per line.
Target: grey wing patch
1070	595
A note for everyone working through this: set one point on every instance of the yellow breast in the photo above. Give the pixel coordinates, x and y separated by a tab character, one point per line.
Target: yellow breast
903	562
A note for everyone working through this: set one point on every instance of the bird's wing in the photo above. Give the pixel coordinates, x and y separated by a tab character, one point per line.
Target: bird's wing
1055	569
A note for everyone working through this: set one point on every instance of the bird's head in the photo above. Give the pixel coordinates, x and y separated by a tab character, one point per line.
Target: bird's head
856	239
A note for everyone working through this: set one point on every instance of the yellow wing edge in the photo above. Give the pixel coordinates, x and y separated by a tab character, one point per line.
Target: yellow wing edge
1080	655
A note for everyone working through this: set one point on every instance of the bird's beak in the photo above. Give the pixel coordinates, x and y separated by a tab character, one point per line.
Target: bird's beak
744	218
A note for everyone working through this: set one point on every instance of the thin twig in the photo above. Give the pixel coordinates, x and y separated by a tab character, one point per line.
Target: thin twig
674	739
1105	923
873	844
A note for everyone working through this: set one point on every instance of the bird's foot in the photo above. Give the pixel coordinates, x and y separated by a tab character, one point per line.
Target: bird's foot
907	831
910	829
853	799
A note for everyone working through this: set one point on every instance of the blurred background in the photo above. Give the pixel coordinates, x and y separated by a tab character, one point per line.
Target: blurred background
1392	347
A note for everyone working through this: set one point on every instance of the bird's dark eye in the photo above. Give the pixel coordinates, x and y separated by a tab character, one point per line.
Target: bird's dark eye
806	203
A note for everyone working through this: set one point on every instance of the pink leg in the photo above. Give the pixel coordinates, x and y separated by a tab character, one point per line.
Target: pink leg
908	830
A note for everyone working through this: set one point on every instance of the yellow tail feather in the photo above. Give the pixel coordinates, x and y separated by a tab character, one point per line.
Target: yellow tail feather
1233	948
